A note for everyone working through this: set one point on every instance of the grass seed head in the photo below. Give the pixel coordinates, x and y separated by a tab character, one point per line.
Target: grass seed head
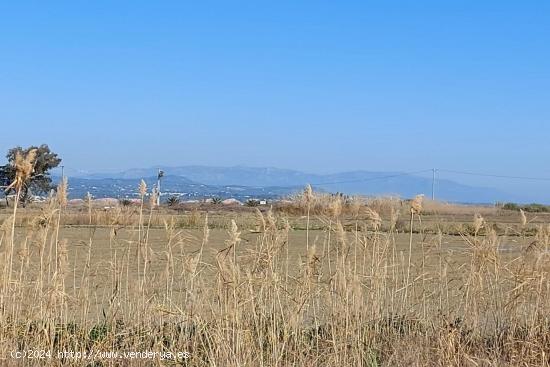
142	189
416	204
478	222
335	207
523	218
271	222
62	192
308	194
373	218
153	199
24	167
234	234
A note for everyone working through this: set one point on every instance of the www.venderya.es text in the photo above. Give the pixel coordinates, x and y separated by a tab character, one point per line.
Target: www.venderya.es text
98	355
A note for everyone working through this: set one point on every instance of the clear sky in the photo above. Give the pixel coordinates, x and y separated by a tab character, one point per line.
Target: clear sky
320	86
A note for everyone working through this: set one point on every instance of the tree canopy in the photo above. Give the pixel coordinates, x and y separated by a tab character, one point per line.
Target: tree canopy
40	181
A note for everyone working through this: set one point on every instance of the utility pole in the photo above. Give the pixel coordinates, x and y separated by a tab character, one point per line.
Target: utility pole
433	183
62	172
159	176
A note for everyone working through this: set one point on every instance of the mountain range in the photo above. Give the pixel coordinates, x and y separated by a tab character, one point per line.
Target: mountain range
265	182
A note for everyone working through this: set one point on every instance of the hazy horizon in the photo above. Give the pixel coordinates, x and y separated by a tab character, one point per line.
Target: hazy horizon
514	186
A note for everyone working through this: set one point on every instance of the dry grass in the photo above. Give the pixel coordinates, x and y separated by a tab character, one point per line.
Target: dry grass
443	208
350	296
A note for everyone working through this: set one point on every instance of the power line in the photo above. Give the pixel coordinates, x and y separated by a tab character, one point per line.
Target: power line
496	176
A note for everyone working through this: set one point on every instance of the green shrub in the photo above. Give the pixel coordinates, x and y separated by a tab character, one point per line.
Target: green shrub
511	206
173	200
530	208
252	202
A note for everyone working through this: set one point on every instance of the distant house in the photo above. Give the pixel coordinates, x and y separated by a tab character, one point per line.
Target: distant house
263	202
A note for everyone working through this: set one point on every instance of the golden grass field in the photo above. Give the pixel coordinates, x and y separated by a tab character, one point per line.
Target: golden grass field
320	281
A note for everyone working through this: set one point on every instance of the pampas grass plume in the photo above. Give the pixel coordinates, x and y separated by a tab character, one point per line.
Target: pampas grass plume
416	204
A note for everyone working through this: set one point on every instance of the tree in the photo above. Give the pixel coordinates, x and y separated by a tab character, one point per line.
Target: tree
125	202
39	181
252	202
173	200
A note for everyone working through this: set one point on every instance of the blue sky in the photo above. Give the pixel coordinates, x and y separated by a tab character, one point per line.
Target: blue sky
320	86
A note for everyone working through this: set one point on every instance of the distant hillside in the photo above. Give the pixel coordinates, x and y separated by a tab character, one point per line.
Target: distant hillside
238	175
203	181
171	185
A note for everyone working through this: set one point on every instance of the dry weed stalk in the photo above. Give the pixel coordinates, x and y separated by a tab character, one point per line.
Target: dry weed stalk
308	197
415	208
478	223
523	218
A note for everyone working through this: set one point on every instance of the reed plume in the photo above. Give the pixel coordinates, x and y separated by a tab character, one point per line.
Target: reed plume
373	218
335	207
523	218
24	167
416	204
478	223
153	199
142	189
62	192
308	194
234	234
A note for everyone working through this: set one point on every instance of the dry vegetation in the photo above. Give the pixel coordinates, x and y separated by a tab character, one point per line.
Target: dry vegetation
346	293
